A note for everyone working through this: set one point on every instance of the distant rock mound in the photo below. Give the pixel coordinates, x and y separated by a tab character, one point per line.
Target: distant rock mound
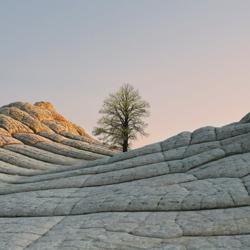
189	192
37	138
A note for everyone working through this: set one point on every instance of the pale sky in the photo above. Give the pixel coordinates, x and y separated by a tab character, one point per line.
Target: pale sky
190	59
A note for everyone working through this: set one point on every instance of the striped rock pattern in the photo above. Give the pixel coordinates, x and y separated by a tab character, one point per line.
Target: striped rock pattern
35	138
189	192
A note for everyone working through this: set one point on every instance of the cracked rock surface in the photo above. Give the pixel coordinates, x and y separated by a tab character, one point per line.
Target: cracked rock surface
61	189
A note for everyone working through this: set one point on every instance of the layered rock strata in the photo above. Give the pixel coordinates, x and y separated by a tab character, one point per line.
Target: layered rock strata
188	192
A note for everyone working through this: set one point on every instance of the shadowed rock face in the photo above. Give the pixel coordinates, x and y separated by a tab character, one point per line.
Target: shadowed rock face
188	192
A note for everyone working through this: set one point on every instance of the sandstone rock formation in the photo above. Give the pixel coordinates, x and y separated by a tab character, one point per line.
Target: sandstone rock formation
189	192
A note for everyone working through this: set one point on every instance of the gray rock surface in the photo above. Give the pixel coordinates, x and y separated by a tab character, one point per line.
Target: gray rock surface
60	189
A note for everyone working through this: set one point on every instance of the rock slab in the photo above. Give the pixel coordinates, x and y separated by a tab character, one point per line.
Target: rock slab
61	189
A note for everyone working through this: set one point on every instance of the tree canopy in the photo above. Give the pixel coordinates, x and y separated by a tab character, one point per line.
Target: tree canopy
122	118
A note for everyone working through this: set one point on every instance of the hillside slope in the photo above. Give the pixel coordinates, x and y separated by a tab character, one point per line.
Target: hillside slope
188	192
35	138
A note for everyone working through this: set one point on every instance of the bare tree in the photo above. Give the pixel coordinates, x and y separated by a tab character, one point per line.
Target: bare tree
122	117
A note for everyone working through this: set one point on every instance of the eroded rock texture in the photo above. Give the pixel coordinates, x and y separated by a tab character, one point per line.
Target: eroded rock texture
189	192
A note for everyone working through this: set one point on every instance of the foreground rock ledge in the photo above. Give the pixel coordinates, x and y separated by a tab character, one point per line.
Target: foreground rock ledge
61	189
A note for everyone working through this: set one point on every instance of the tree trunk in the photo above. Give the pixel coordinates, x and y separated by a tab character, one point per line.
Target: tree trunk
125	145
